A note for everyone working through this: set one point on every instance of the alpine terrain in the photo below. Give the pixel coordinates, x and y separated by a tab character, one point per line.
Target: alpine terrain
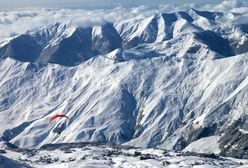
169	80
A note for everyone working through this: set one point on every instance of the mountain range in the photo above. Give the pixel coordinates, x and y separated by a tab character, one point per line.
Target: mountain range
176	81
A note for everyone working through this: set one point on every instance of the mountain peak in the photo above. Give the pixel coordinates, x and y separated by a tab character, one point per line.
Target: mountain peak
168	80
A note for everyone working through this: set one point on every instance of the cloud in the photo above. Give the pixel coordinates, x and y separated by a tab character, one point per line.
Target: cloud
226	5
16	22
20	21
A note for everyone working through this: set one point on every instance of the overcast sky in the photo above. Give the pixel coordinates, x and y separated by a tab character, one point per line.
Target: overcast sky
10	4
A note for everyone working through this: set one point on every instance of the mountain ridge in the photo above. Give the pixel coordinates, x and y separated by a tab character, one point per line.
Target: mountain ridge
166	81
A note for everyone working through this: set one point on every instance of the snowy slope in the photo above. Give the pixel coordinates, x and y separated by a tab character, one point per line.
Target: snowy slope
169	80
83	155
6	163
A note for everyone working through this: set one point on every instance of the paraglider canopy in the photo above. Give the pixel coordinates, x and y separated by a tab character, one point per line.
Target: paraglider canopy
58	116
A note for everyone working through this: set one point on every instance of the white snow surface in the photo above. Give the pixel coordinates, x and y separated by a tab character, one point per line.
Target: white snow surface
243	131
168	81
205	145
108	157
94	95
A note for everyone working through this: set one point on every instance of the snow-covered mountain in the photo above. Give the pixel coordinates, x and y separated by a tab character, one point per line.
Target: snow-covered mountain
63	45
171	80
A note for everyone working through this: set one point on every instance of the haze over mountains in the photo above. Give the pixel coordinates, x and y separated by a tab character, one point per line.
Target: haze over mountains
171	80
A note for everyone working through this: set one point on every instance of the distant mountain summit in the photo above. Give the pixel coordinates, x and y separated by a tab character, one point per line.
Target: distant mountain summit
63	45
69	45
